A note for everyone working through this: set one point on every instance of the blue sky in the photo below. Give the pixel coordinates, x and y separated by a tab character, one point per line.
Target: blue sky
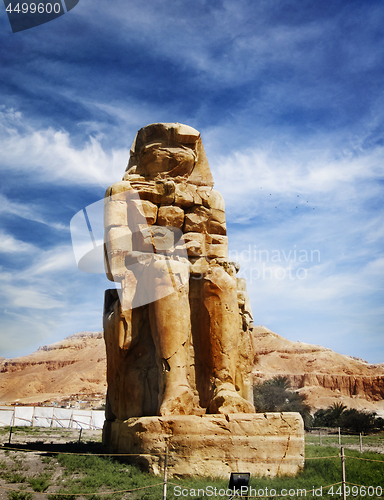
289	99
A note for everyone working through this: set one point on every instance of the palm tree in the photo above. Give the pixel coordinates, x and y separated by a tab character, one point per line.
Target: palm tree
281	381
335	411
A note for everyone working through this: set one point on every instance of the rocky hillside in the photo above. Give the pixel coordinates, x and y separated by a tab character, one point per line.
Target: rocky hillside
322	374
74	369
67	371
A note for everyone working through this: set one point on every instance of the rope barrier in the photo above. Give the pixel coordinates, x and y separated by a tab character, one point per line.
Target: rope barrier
172	455
83	454
84	494
365	459
152	454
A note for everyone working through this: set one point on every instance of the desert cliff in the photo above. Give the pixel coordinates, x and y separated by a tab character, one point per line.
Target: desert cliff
74	369
322	374
67	371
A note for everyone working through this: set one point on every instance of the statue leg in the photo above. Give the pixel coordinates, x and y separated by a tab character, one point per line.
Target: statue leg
171	329
220	300
123	330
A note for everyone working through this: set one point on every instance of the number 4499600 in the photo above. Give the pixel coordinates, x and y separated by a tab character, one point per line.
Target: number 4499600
362	491
33	8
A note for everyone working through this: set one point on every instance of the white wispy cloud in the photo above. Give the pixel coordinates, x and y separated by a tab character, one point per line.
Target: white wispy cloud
28	211
47	155
326	177
231	41
9	244
47	298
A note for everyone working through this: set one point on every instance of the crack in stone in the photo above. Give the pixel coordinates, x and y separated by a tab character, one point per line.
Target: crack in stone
285	453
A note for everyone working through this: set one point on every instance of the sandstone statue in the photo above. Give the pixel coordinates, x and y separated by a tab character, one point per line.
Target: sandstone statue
178	326
177	333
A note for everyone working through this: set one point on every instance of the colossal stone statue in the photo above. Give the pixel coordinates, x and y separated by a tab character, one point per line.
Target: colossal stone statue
178	330
177	333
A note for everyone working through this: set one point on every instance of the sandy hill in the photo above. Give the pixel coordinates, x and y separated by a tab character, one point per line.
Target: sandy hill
323	375
70	370
74	369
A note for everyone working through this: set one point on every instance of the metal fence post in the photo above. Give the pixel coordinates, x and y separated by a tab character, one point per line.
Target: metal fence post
12	424
361	443
343	472
165	474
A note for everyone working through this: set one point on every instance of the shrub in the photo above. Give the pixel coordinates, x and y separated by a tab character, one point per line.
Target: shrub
276	395
330	417
358	421
338	415
19	495
40	483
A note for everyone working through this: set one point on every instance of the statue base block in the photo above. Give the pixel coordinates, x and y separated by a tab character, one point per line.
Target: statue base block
264	444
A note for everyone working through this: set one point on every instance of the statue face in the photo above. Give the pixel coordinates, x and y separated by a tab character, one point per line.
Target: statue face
157	158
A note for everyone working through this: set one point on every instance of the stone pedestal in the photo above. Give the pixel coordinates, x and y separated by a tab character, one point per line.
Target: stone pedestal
268	444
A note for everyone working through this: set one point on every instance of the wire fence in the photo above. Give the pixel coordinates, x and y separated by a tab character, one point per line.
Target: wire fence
51	416
325	436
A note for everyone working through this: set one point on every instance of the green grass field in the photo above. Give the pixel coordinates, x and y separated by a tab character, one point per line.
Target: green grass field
98	477
94	474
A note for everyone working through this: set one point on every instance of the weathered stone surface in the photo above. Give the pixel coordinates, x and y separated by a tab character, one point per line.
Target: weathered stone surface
185	195
117	238
218	215
115	265
267	444
196	220
145	208
119	190
244	304
204	193
160	192
217	246
215	227
215	201
198	266
142	238
170	215
195	244
115	213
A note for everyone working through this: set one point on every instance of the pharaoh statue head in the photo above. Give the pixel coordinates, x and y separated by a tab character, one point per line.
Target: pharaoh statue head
169	150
